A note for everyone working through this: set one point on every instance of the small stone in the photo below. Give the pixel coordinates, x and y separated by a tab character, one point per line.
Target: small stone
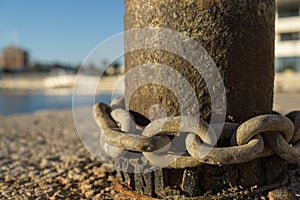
97	196
50	192
111	178
9	178
64	181
89	194
38	192
7	192
86	187
60	170
28	184
4	187
281	194
14	156
44	163
77	170
112	192
46	171
14	193
175	15
32	173
49	186
74	176
28	193
51	175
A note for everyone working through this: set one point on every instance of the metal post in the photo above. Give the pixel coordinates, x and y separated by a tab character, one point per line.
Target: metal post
239	36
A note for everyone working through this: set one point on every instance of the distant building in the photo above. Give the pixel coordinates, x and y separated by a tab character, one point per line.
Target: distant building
14	59
287	50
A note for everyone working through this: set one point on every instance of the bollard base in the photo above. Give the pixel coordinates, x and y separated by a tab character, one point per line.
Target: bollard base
274	191
208	182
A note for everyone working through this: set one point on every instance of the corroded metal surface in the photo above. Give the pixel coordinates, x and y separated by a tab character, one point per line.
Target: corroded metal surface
264	123
227	155
238	35
246	141
281	147
126	141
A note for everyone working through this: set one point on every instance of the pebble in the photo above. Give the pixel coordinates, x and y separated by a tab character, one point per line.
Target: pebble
28	193
32	174
47	171
86	187
89	194
44	163
77	170
7	192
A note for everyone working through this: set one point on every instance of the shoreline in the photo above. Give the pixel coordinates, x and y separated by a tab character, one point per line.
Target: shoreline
284	82
53	91
284	102
63	82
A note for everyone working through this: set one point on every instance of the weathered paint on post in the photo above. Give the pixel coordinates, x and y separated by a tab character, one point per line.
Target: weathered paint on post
239	36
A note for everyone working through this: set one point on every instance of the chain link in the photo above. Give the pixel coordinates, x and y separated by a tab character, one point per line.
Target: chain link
172	126
295	117
289	152
126	141
264	123
258	137
125	123
225	155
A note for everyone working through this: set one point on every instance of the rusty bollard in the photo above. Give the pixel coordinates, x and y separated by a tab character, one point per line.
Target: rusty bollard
239	36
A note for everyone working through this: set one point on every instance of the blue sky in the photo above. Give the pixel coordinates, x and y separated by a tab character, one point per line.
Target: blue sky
59	30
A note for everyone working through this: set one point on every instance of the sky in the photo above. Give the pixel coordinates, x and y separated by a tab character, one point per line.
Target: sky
62	31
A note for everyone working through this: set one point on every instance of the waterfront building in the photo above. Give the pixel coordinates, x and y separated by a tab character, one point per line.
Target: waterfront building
287	45
14	59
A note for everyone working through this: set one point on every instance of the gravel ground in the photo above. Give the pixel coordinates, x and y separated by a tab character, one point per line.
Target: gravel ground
42	157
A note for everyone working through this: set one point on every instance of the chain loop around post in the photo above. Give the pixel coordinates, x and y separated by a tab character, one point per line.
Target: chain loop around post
280	136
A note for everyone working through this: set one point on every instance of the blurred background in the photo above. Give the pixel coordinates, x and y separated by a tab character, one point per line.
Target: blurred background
44	43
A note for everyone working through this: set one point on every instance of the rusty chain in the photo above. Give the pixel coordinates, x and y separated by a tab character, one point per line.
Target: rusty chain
258	137
127	141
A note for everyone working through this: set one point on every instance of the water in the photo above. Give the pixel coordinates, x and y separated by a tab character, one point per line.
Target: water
25	103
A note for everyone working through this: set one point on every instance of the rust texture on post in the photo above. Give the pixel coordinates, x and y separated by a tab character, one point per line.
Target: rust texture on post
239	36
